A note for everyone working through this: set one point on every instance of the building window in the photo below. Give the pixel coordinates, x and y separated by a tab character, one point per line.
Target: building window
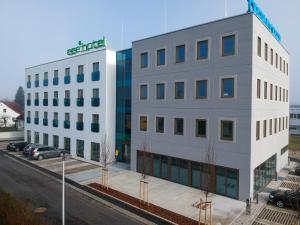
45	139
201	128
36	137
80	69
227	88
272	56
180	53
55	141
96	67
160	91
265	128
258	88
257	130
275	126
144	60
179	90
228	45
227	130
280	65
202	49
280	94
143	123
201	89
271	91
67	144
259	46
161	57
266	51
270	126
160	124
276	60
178	126
67	72
265	90
80	148
276	92
283	66
95	151
143	91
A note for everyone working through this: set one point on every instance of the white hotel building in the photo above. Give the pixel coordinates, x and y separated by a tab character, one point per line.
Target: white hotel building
70	103
223	84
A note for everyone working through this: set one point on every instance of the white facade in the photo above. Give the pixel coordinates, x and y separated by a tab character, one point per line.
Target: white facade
295	119
244	152
105	111
8	114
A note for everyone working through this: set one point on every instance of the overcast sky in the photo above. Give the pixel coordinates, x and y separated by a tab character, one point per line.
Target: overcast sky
34	32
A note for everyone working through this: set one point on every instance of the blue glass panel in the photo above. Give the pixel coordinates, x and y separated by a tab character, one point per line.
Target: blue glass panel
201	89
161	54
228	45
180	53
228	87
202	50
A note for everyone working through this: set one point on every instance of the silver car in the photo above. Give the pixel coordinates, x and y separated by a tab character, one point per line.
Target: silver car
43	152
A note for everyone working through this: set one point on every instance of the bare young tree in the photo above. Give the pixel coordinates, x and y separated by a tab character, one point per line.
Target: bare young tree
105	158
206	179
105	151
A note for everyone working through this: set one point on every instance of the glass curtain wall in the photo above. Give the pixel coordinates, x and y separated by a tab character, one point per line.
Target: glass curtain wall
123	107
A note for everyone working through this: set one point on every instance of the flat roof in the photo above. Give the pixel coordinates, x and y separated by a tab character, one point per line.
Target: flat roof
86	53
214	21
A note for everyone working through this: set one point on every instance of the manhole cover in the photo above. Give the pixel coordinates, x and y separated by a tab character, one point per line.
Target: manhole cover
40	210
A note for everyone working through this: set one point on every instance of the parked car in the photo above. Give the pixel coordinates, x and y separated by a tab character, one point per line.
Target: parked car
297	171
42	152
28	148
285	198
17	145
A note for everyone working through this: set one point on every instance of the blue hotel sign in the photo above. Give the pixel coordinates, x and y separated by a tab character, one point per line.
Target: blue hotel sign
253	7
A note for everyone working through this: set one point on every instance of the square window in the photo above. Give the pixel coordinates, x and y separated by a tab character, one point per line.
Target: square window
200	128
180	53
227	88
160	124
178	126
161	57
226	130
201	89
228	45
143	123
143	91
144	60
202	49
160	91
179	90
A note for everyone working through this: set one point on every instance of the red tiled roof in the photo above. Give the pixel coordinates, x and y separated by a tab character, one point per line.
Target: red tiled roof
14	106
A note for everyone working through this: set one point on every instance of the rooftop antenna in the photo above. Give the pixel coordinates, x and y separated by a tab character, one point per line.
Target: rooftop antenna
165	16
225	8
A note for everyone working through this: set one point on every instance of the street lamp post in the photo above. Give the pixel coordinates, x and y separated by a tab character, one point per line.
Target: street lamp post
63	189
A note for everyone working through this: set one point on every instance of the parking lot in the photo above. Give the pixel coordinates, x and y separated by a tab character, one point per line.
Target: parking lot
72	166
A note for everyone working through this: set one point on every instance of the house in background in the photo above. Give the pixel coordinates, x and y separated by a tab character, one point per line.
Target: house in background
10	114
295	119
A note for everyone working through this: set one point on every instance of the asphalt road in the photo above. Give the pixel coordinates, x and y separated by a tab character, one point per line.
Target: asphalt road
39	190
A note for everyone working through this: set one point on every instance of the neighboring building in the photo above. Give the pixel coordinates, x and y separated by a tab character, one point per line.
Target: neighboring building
295	119
222	85
9	112
70	103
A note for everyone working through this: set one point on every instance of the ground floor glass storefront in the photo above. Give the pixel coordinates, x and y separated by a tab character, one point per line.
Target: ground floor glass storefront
220	180
264	173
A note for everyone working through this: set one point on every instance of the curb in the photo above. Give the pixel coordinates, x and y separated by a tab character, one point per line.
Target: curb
124	205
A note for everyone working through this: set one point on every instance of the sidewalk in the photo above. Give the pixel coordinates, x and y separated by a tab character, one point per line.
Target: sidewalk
174	197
